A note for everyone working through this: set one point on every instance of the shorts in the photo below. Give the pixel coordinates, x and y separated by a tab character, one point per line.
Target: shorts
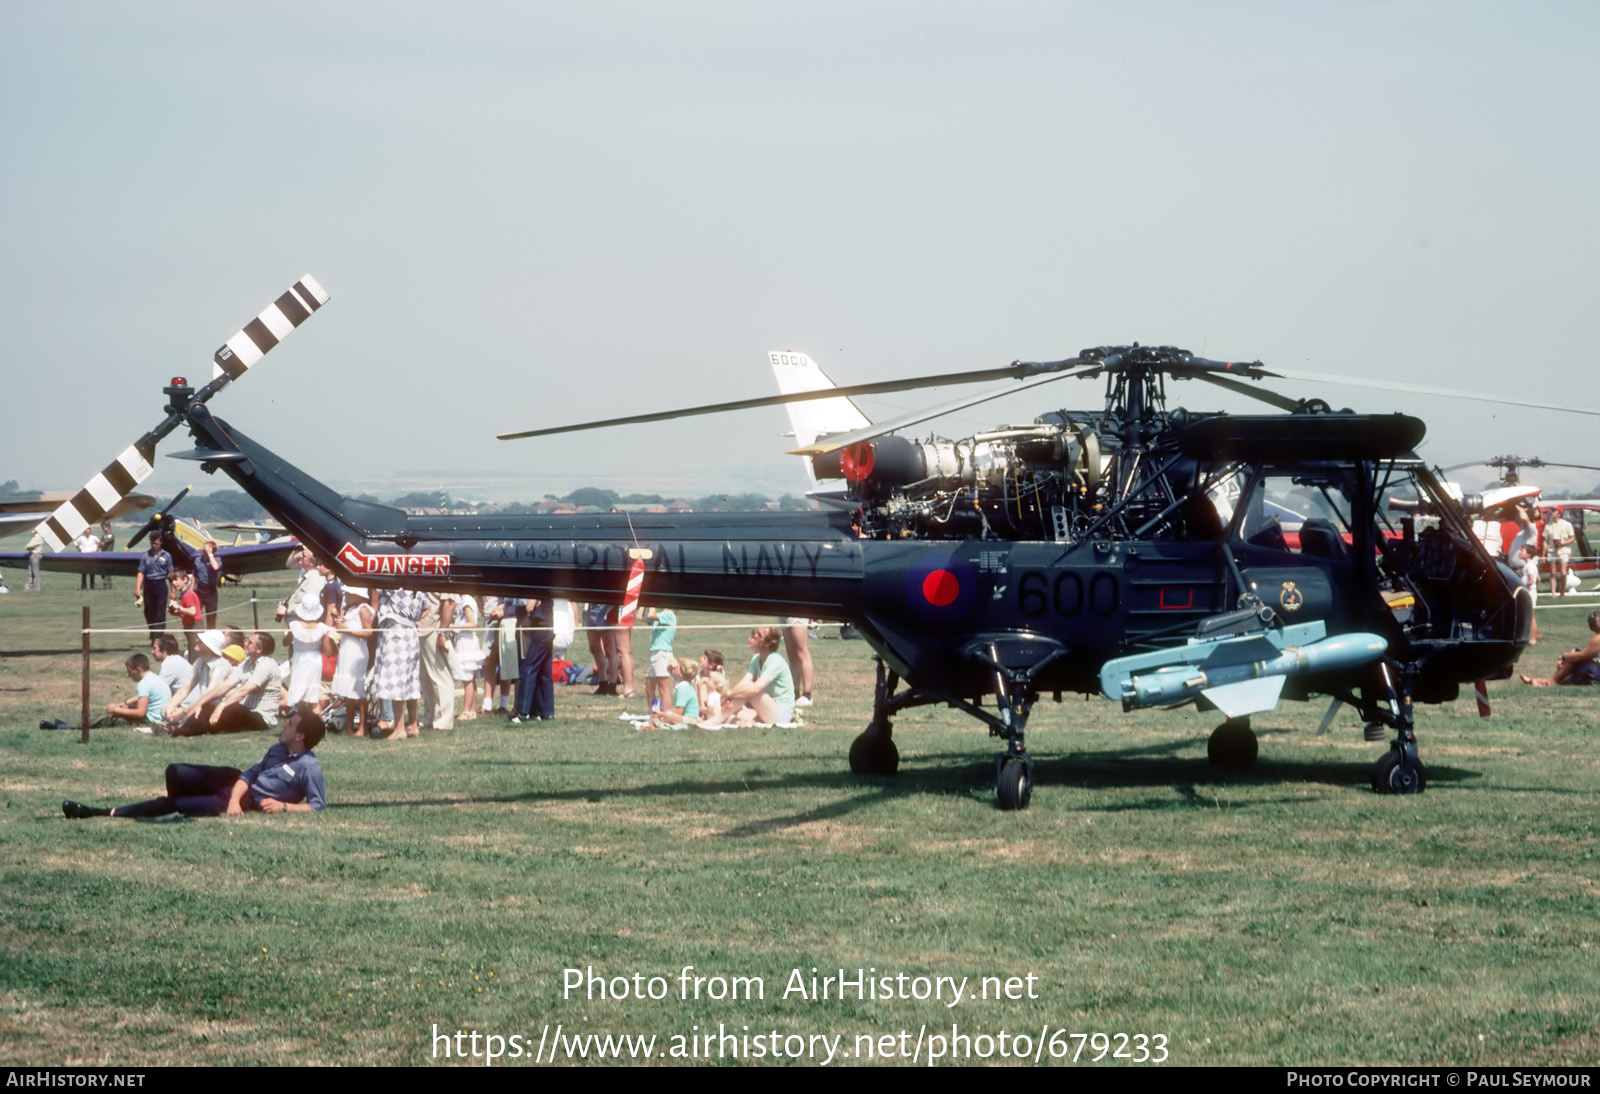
595	615
793	621
1561	554
659	660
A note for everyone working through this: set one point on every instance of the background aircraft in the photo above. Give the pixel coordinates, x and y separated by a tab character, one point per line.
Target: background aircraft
248	558
20	512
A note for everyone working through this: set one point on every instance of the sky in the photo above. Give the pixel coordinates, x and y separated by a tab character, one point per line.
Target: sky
530	214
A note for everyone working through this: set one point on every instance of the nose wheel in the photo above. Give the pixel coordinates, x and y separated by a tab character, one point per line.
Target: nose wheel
1013	780
1400	771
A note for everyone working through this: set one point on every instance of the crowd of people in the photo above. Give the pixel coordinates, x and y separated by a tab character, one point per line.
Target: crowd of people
391	662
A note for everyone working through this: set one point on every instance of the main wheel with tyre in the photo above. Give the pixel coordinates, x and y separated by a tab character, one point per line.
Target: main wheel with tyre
1013	786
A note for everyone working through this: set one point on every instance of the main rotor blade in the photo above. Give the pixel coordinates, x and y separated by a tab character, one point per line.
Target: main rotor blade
1550	463
1265	395
878	429
1422	389
1505	462
100	498
1015	371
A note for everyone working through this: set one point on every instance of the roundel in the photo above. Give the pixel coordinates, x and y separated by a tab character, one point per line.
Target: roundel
941	586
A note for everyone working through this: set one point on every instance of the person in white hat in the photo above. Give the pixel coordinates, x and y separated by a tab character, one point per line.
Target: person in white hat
212	678
307	632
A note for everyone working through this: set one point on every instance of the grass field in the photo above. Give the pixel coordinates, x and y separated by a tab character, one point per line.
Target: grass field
1287	915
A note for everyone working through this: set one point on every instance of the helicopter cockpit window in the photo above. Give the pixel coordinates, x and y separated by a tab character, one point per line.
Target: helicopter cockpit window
1307	514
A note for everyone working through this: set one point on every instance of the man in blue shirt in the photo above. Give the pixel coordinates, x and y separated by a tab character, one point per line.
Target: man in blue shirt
287	780
207	573
536	688
145	708
150	586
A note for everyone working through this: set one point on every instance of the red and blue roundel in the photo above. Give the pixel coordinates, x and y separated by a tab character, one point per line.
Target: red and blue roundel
941	586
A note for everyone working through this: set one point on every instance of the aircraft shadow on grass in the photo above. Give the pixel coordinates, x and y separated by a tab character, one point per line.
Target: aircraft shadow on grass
1153	766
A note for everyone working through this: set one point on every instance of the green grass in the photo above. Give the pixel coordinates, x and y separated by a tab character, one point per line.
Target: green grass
1287	915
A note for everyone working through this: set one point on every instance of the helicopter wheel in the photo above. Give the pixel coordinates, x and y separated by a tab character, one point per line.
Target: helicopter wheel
874	752
1013	784
1232	744
1393	775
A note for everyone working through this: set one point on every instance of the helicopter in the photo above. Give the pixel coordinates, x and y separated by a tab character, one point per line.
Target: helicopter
1494	510
1153	554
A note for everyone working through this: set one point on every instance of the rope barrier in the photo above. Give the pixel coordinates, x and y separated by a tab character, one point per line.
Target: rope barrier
462	630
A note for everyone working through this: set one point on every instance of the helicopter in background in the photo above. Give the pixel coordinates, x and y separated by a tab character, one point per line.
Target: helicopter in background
1151	553
1494	514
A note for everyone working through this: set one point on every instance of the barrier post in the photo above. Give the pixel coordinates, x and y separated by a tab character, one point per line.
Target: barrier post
85	686
255	615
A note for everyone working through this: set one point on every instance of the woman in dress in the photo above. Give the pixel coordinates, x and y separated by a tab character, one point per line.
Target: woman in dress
306	632
467	660
353	628
397	668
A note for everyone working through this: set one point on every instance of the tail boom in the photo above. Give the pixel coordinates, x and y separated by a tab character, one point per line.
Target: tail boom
806	563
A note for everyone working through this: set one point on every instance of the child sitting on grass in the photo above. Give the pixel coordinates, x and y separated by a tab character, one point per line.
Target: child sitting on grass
711	685
685	701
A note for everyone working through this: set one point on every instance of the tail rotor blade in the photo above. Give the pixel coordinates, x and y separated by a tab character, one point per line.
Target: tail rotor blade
102	494
97	500
277	322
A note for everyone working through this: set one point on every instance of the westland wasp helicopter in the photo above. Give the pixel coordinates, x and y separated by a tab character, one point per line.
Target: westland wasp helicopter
1156	555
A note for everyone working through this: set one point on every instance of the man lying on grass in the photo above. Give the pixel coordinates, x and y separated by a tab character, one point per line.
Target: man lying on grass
287	780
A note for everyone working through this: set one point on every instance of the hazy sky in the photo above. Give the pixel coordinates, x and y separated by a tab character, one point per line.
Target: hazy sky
529	214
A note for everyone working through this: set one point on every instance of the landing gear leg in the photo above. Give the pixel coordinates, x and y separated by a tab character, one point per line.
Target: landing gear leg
1232	744
1013	768
1400	771
873	752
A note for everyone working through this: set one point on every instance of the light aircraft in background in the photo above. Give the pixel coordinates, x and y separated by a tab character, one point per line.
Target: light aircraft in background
237	559
260	530
21	512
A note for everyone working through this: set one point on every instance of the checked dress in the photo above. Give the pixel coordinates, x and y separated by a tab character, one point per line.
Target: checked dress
398	665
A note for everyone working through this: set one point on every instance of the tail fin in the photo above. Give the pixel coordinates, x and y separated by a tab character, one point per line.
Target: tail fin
796	372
